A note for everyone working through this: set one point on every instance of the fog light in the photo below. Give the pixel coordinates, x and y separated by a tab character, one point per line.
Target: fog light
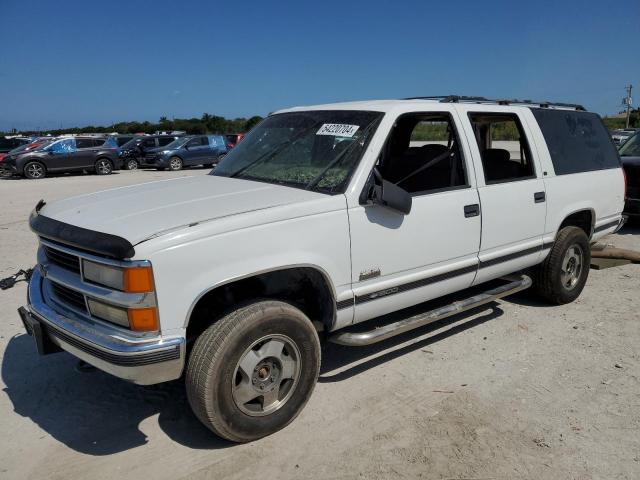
108	312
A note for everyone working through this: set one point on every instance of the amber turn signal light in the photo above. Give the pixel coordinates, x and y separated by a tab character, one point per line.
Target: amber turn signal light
143	319
138	279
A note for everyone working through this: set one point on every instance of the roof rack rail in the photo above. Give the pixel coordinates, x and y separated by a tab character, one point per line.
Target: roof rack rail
505	101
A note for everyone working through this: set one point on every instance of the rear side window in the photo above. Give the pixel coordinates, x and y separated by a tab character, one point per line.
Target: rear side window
165	140
503	146
84	143
149	143
577	141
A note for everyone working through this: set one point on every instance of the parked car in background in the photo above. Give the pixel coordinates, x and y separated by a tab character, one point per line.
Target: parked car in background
122	139
205	150
233	139
9	143
630	155
133	151
65	155
622	135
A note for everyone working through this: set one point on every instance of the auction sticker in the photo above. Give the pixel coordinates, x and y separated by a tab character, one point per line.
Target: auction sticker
338	130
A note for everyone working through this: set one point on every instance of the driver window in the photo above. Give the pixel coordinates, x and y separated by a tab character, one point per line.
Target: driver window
422	155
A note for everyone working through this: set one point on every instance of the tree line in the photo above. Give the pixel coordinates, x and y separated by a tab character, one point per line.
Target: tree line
206	124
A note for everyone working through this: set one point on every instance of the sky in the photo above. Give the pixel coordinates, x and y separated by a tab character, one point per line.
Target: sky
68	63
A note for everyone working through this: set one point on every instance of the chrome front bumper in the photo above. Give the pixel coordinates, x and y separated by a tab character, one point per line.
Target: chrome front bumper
141	360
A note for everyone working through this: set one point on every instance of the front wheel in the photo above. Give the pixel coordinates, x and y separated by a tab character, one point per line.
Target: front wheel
132	164
175	163
104	166
34	170
563	274
252	372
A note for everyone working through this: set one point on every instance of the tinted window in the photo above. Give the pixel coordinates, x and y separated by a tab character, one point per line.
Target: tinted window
577	141
503	146
198	142
84	143
165	141
149	143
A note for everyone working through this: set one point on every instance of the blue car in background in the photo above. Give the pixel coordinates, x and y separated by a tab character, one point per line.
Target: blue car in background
205	150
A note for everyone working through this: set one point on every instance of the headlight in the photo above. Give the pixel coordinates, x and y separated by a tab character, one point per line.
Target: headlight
108	312
106	275
129	279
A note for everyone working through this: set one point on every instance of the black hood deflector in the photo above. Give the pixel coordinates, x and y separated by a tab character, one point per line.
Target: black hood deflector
91	241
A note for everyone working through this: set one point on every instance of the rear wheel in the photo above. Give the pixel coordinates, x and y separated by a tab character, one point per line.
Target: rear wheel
34	170
251	373
563	274
104	166
175	163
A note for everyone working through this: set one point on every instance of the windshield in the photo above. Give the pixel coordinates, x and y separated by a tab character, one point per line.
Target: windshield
177	143
30	146
631	147
314	150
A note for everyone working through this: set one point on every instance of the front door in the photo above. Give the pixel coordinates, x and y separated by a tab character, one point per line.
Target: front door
401	260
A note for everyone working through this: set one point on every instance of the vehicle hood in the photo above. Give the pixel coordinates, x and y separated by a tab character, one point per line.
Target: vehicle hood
139	212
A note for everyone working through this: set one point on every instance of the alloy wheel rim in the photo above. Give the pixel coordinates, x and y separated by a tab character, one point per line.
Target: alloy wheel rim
175	164
266	375
104	167
35	170
132	165
572	265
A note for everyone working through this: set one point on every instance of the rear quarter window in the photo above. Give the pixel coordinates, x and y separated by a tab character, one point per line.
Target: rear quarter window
577	141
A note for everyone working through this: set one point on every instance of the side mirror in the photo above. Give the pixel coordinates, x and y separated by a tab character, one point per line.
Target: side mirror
381	192
186	147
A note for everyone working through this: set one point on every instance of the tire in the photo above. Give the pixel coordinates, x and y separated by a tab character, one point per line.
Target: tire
132	164
34	170
253	371
175	164
563	274
104	166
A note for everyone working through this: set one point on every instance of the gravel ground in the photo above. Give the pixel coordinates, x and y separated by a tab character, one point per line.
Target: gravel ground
515	390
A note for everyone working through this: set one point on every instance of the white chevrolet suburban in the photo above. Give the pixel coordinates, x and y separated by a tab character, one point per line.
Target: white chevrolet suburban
321	218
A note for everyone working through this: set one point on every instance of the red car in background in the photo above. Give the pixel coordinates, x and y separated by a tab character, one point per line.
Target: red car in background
233	139
38	142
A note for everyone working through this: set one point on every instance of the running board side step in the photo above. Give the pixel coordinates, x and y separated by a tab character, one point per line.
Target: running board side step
358	339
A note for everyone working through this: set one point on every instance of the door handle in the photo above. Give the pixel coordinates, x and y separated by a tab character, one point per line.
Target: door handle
471	210
539	197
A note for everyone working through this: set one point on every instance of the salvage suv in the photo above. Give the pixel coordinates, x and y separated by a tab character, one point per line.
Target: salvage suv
321	218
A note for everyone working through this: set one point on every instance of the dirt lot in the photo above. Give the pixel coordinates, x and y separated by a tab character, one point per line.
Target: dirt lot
516	390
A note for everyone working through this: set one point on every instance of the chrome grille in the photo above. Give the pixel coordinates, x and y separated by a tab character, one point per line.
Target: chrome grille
71	297
63	259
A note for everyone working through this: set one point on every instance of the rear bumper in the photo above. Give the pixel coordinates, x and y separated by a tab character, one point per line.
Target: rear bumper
143	361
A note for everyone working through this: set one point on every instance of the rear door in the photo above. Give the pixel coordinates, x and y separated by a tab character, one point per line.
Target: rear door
83	157
511	189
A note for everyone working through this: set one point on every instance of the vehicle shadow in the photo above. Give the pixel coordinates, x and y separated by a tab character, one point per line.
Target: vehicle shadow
632	227
336	357
95	413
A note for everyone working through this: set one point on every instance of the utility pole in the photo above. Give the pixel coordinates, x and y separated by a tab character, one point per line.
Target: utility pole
627	101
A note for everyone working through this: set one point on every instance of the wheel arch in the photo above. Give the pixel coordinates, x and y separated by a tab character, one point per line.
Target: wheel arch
583	218
297	284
